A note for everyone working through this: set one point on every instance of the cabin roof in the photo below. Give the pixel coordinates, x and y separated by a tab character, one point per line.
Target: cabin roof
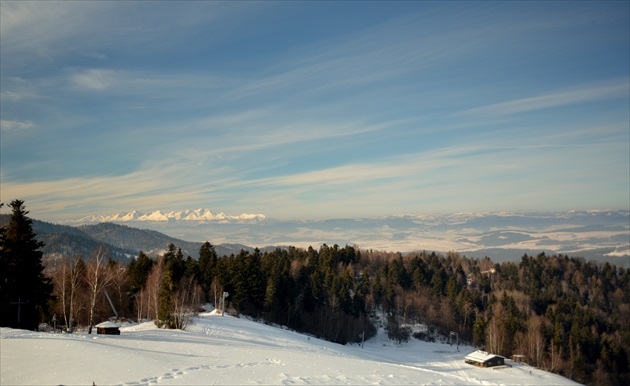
108	325
480	356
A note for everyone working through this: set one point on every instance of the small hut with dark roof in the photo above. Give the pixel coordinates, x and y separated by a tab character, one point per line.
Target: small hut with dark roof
108	328
483	359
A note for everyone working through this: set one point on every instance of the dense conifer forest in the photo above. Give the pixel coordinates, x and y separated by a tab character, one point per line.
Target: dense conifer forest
559	313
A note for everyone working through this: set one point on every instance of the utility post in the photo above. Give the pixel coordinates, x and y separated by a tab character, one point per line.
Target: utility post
450	338
225	295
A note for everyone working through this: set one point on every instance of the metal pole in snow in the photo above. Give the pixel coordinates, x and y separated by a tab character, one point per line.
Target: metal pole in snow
450	339
225	295
111	304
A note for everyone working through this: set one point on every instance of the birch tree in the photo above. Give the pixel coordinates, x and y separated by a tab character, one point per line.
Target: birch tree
152	289
97	278
59	275
77	270
186	300
495	334
535	341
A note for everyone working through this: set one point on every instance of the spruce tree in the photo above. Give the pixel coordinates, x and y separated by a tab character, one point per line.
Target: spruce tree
138	271
24	290
207	266
167	288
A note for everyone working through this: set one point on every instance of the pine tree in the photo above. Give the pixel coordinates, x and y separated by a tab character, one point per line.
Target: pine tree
167	288
138	271
24	290
207	266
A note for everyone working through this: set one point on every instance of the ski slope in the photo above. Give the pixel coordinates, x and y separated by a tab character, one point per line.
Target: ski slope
218	350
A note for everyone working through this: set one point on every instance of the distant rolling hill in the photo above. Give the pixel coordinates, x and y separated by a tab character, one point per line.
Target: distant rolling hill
122	241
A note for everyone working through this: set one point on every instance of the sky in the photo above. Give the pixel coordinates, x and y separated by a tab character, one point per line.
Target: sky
314	110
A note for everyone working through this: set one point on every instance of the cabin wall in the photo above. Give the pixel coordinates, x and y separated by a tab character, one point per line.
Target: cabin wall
108	331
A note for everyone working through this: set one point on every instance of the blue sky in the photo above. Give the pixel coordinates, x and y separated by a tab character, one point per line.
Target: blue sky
314	110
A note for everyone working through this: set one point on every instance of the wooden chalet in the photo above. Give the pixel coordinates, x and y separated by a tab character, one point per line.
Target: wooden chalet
483	359
108	328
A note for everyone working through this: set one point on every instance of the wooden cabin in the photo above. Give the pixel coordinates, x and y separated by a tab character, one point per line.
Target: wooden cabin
483	359
108	328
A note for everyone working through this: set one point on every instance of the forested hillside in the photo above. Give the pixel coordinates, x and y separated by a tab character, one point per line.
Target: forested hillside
562	314
63	240
123	242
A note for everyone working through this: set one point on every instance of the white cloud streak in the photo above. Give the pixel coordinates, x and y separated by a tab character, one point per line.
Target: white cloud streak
94	79
470	176
8	125
613	90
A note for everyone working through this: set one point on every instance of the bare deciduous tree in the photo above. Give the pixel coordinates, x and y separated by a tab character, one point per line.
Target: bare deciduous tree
152	288
555	357
535	341
217	291
139	302
77	269
495	334
97	278
186	300
120	284
58	272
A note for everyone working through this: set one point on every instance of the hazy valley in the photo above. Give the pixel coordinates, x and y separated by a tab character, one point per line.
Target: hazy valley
598	235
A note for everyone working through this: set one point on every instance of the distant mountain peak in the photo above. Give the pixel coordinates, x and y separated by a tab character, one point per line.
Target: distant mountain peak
195	215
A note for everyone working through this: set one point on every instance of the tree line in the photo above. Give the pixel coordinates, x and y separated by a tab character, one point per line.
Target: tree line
559	313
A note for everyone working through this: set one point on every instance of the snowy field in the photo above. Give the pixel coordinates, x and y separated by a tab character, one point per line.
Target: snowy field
233	351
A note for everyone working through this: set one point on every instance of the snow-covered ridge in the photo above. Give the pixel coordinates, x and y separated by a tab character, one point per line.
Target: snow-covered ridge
198	215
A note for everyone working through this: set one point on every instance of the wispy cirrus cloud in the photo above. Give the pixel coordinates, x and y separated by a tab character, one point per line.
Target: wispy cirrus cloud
95	79
375	55
612	90
490	175
16	89
136	82
143	189
8	125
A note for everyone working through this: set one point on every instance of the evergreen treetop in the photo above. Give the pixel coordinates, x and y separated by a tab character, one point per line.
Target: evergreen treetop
24	290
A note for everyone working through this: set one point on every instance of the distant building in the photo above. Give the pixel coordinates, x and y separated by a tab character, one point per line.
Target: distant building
108	328
483	359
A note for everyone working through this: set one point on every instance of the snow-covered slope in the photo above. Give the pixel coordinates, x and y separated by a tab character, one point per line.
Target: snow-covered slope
228	350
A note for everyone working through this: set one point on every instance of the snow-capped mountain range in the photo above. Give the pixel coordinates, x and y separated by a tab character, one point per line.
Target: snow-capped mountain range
602	235
197	215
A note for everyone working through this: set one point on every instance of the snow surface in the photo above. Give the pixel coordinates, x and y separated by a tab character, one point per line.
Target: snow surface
236	351
108	325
